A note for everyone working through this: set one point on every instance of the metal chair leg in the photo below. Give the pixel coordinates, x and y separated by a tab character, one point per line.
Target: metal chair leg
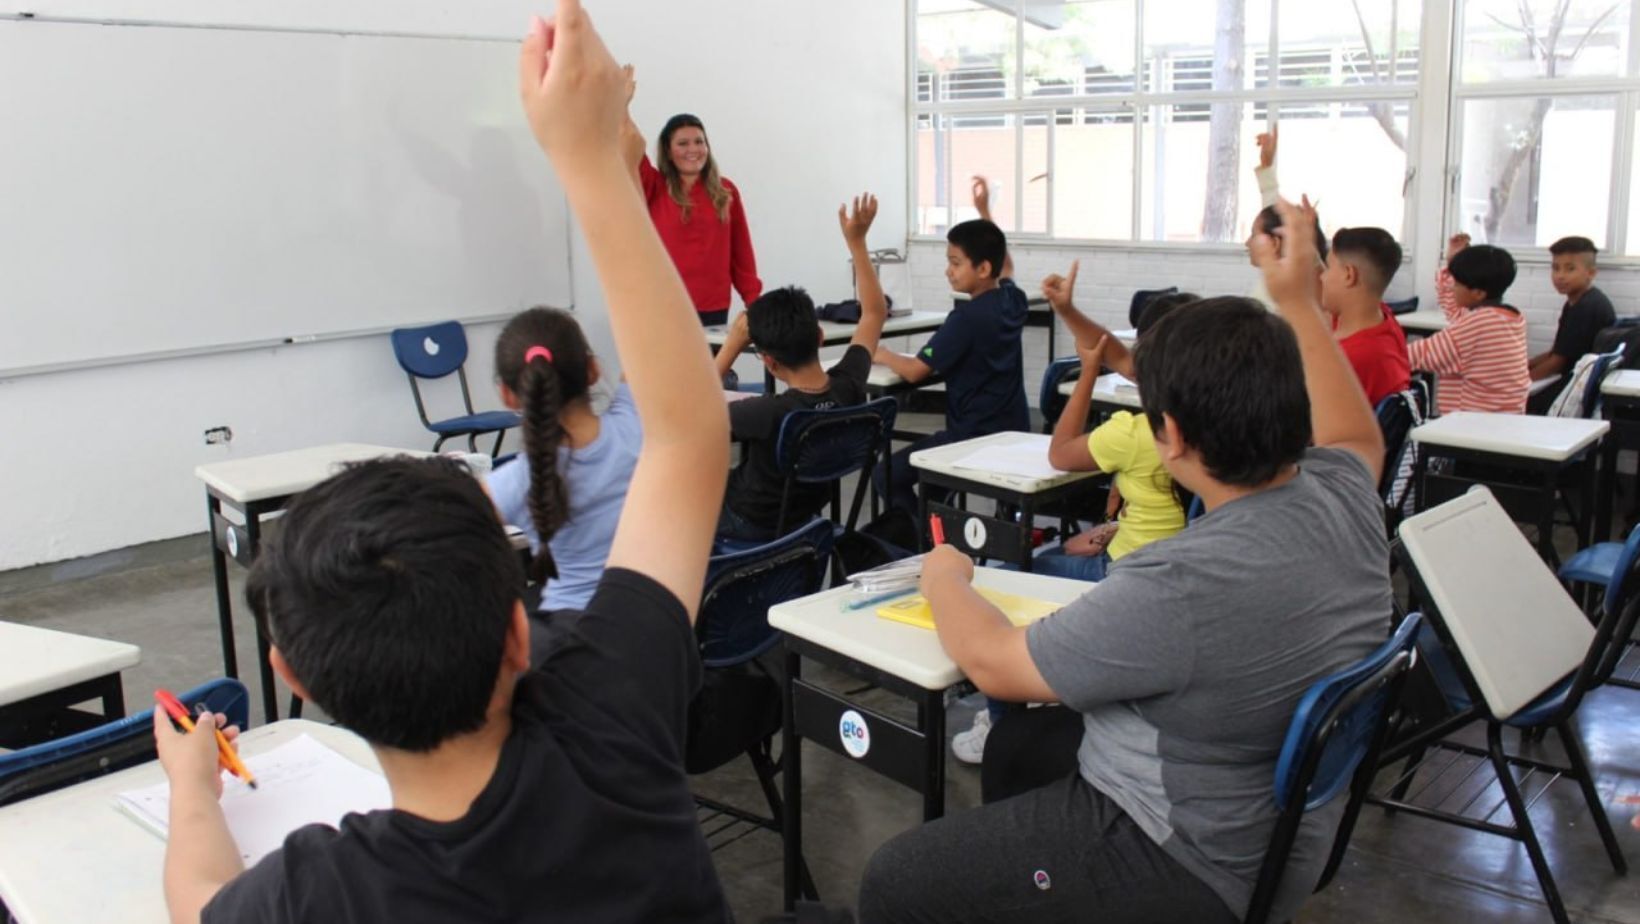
1585	781
764	767
1523	823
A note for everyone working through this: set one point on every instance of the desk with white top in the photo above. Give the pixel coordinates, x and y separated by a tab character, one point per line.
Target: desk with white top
1422	323
1003	536
1111	393
835	333
45	673
257	486
71	856
1520	458
901	659
1620	405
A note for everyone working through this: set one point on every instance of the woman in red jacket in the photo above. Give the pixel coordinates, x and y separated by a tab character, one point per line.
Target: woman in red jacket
699	216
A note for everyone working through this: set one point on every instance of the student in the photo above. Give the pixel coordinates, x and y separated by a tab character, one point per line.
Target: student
1265	221
977	349
1359	269
1185	664
1481	355
567	496
781	325
1586	313
392	598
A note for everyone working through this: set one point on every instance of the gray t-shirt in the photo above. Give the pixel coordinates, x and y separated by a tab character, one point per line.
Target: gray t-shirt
1188	660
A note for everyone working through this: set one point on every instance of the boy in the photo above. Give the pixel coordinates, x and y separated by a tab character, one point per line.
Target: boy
392	599
1586	313
977	349
1180	667
782	326
1481	355
1359	269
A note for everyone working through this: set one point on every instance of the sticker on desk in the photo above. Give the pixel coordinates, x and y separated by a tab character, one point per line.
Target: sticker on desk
233	540
855	734
974	532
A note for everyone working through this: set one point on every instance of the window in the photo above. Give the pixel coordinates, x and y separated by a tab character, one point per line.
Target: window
1134	120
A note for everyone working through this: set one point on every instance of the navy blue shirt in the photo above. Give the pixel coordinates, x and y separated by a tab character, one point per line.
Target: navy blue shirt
978	351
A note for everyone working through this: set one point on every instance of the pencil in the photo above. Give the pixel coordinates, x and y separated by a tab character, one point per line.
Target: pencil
225	750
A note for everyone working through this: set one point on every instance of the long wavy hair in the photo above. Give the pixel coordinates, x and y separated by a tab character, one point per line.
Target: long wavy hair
720	195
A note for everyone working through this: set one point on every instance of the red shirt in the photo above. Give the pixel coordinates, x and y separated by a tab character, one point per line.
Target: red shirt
709	253
1379	357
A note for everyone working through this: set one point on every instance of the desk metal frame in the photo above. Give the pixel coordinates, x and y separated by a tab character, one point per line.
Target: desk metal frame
1624	413
1532	503
1005	539
49	715
241	542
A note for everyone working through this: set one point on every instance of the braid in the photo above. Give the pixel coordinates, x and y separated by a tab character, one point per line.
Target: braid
548	497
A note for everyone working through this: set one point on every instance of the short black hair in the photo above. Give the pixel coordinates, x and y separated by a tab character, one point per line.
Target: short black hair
1375	247
1160	306
783	327
389	589
981	242
1229	374
1574	244
1484	267
1269	220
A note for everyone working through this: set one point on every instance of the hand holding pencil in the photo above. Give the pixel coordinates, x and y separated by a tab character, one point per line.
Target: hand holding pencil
198	752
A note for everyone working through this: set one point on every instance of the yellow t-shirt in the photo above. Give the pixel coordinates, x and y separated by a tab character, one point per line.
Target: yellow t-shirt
1124	447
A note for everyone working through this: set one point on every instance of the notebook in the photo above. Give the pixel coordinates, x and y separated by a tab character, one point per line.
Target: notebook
300	782
1020	611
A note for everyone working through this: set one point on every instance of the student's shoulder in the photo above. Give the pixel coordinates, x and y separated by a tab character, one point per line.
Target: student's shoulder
1595	301
1340	470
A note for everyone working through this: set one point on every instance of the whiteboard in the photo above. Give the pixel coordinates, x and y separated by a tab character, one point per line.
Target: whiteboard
169	189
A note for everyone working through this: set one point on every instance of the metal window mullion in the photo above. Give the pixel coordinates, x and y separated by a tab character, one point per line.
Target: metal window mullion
1141	81
1287	96
912	226
1617	219
1546	86
1053	132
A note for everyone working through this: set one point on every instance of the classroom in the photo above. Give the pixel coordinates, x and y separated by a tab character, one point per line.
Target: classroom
1011	460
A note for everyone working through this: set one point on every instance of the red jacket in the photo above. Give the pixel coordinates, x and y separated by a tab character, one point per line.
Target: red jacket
709	254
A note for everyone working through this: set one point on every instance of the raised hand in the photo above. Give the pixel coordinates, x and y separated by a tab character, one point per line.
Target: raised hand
573	91
856	221
982	197
1290	267
1093	357
1267	148
1058	289
1456	244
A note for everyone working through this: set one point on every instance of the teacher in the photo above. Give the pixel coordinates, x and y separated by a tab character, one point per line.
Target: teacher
699	217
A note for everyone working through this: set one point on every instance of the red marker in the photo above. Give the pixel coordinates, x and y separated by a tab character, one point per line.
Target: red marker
225	751
936	528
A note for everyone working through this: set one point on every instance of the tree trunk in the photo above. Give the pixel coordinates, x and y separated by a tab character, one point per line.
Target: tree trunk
1503	188
1224	126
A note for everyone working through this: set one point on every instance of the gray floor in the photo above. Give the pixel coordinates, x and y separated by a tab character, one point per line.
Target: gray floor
1400	869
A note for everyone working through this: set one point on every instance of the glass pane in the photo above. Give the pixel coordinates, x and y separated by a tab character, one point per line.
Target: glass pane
1633	245
1350	160
1528	39
1536	169
1343	43
951	151
1033	210
1083	46
1198	175
1093	177
1203	44
965	50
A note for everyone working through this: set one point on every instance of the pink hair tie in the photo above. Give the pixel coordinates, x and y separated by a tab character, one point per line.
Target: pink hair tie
535	351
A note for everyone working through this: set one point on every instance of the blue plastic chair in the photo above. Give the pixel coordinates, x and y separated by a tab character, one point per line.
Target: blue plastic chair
1609	565
1141	298
1333	743
1051	402
824	446
1589	405
1404	306
126	742
433	352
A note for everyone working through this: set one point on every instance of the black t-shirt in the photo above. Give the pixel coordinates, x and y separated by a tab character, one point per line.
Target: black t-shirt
1580	322
587	818
978	351
754	485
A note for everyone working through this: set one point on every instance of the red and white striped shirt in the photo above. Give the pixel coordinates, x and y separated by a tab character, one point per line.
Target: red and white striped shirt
1480	357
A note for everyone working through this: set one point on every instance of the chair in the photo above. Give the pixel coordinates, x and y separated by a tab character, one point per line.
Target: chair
1604	363
824	446
1332	743
1404	306
126	742
738	710
433	352
1398	414
1141	298
1611	566
1052	403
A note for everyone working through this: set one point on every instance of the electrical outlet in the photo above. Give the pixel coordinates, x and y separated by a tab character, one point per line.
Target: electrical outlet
216	435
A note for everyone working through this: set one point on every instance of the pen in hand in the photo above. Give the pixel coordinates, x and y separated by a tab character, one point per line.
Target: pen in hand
225	750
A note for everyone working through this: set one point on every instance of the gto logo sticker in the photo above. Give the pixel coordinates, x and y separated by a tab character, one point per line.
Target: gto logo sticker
855	734
974	532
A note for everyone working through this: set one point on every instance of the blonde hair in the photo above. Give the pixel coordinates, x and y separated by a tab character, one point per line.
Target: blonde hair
709	177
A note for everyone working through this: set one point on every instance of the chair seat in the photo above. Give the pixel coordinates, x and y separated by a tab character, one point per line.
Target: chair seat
485	422
1531	715
1594	565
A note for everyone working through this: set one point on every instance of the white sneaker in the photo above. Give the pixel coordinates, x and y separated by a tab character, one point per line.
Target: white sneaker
969	746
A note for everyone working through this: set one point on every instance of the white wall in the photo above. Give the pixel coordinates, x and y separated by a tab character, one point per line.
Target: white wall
805	104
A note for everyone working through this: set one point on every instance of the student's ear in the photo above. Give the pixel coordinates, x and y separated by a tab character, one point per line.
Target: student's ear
1352	275
767	361
276	658
510	398
983	267
1169	442
594	371
819	335
515	654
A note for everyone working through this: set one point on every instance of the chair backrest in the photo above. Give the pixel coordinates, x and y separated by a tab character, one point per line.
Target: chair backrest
733	624
821	446
1623	582
1141	298
52	765
430	352
1052	403
1404	306
1332	743
1603	364
1397	415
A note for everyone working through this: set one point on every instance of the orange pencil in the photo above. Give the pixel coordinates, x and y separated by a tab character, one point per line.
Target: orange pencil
225	751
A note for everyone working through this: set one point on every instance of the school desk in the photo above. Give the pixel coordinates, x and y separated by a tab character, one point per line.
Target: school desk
45	673
1003	537
71	856
1422	323
1110	394
1620	404
901	659
834	333
1521	458
256	487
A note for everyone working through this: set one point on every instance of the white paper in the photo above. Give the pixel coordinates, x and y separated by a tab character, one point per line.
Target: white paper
1112	382
300	782
1026	456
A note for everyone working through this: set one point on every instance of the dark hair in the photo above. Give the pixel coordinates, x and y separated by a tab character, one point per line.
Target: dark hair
389	589
1269	220
1375	246
1484	267
981	242
544	385
782	325
1228	372
709	176
1160	306
1574	244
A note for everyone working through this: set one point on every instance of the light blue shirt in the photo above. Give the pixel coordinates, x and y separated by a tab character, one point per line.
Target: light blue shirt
596	476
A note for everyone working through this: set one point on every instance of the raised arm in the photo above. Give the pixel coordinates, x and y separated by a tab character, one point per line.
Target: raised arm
1444	296
1069	450
1269	189
868	288
735	341
573	93
982	204
1339	414
1059	291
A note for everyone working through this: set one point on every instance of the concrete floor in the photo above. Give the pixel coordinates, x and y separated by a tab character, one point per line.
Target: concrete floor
1400	869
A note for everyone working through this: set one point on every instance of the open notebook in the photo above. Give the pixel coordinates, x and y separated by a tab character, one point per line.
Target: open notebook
300	782
1019	610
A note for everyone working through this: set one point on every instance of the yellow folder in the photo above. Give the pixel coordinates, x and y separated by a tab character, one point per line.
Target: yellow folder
1021	611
